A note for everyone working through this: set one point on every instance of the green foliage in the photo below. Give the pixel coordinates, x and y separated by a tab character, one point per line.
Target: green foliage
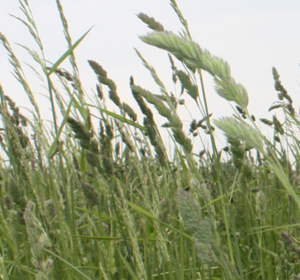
112	202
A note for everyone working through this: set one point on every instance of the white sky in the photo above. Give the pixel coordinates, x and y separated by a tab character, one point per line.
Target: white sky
251	35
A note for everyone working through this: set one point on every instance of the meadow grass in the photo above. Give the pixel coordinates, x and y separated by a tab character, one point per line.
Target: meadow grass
99	196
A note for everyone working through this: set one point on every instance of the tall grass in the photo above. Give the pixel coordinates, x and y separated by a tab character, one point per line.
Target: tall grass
99	196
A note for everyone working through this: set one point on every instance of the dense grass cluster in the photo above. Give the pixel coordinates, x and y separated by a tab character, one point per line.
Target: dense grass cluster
99	196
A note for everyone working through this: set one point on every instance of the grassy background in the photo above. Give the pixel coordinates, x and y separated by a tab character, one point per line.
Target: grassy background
98	195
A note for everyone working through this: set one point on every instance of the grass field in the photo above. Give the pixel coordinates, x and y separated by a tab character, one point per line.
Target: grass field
99	195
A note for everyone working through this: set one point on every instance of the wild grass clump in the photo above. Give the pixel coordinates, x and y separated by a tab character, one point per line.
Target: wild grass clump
97	195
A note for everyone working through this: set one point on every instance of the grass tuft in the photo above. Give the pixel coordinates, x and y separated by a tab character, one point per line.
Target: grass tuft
99	195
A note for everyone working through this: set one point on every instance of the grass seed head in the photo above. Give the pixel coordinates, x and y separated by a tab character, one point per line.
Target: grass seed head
151	22
238	129
90	193
200	227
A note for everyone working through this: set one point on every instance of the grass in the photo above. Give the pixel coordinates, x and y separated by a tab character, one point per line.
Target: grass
99	196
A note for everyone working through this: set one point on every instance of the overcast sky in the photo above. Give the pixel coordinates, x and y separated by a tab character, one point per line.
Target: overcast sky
252	36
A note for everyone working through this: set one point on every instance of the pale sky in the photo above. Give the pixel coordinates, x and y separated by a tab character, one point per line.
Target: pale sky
252	36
